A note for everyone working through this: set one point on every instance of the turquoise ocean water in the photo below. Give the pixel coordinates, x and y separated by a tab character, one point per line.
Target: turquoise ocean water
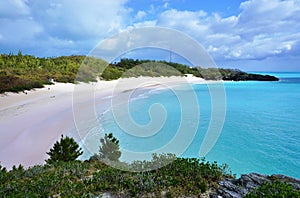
261	132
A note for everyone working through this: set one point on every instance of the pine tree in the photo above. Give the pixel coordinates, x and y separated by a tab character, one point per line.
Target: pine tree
110	148
64	150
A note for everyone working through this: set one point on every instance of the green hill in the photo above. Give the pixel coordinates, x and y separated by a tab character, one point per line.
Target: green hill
24	72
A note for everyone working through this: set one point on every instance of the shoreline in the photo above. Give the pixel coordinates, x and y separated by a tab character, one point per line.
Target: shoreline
31	123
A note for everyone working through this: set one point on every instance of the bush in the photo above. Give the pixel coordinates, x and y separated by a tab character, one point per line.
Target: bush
64	150
109	148
275	189
182	177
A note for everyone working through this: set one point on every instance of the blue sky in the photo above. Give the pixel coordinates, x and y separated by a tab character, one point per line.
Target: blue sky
253	35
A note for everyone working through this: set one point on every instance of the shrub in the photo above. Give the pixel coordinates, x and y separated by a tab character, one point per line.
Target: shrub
275	189
64	150
109	148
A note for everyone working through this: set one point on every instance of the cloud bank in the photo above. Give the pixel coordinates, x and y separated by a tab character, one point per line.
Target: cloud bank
260	30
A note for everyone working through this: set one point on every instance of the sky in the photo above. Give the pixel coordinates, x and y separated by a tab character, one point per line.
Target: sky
252	35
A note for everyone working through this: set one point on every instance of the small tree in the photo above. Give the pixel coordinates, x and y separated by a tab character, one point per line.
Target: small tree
109	148
64	150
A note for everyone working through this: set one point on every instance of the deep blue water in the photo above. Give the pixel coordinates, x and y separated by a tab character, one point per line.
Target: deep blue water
261	132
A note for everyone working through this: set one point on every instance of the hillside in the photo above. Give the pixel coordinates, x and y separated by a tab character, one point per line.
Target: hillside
24	72
183	177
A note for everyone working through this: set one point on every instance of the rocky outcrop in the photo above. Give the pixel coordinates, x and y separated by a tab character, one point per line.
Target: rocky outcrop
243	76
237	188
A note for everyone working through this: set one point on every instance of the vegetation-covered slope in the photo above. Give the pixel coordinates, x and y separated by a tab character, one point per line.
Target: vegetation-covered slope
23	72
93	178
63	176
135	68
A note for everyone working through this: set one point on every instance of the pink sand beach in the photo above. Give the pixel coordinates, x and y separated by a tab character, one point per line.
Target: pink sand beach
31	122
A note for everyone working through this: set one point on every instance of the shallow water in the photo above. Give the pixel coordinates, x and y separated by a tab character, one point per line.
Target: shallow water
260	133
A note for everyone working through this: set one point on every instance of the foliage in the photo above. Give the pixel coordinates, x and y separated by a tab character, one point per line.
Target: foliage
154	69
135	68
109	148
24	72
112	73
64	150
157	162
182	177
164	176
44	181
275	189
3	173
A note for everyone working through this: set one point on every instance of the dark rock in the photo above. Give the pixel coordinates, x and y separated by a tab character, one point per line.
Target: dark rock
237	188
229	189
243	76
257	179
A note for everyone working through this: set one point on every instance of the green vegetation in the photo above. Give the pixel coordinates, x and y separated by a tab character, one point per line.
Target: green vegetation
93	178
135	68
109	148
275	189
63	176
65	150
164	176
24	72
154	69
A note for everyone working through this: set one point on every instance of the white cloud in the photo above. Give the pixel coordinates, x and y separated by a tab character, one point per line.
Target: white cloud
264	28
78	19
140	15
166	5
152	9
13	8
154	37
57	22
144	24
269	17
186	21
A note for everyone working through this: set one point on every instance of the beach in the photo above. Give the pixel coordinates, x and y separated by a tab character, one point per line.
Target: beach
31	121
